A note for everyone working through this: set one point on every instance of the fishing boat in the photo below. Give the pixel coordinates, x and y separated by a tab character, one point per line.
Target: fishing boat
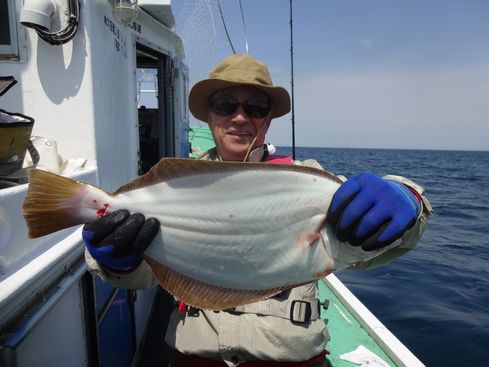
99	95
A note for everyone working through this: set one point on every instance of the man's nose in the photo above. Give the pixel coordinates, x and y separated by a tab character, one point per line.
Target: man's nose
240	115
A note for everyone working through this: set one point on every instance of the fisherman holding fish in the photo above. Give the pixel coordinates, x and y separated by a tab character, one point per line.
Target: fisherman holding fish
373	218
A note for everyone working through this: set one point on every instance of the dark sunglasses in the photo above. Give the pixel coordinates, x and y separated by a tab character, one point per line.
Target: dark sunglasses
226	107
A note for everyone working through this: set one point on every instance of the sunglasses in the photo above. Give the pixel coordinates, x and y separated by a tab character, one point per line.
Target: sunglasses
226	107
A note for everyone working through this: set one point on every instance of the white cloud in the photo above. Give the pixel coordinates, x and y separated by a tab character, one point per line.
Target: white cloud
442	109
367	43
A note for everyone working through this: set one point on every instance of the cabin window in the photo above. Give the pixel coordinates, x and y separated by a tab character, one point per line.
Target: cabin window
147	79
8	30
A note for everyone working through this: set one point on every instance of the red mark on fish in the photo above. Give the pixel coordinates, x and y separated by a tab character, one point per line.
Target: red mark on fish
308	240
101	211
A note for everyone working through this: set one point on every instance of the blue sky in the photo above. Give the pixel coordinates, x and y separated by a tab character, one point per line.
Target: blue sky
368	74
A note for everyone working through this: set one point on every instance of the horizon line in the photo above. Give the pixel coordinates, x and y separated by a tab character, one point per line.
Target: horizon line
429	149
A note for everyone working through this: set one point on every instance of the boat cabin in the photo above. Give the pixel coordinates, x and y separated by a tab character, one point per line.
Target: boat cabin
105	85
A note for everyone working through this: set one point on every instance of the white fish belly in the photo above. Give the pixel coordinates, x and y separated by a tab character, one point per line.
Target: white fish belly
245	230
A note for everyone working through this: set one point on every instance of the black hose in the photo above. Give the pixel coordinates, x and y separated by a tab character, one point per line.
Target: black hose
65	35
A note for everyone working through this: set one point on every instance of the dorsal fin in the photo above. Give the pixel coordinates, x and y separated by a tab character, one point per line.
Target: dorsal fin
171	168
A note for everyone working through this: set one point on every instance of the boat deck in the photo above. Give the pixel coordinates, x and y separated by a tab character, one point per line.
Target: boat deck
345	331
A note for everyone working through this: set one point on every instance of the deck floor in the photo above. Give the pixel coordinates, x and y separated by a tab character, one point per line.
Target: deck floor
345	332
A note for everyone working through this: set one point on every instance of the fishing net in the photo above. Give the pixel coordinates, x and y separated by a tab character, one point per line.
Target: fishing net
210	30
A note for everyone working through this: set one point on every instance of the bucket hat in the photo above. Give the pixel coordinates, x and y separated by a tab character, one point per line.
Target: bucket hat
236	70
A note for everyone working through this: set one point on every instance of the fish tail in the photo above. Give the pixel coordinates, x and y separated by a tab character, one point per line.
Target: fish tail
51	203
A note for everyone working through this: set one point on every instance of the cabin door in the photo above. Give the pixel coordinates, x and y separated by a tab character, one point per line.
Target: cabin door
155	93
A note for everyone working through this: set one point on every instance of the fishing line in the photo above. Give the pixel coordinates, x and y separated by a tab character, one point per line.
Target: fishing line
247	156
225	28
244	26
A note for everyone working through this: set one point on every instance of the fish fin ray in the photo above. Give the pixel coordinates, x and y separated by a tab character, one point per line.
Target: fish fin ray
47	206
171	168
203	295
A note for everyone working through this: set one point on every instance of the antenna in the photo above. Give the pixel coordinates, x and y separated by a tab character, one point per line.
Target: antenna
292	81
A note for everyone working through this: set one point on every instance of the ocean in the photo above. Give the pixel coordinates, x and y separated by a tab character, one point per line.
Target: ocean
435	298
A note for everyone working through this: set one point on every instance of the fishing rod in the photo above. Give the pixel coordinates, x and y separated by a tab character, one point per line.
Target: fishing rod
292	80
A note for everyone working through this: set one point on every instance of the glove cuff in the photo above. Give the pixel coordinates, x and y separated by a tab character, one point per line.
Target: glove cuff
411	194
103	255
121	271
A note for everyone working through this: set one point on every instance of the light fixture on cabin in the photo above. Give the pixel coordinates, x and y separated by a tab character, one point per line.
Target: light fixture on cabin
125	11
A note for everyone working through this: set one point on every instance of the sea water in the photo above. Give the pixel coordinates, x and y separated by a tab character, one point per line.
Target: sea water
435	298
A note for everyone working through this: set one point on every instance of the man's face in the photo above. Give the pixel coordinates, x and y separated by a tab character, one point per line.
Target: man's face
235	127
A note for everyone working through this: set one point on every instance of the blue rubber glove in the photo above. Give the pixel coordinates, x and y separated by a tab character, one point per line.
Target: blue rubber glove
371	212
118	239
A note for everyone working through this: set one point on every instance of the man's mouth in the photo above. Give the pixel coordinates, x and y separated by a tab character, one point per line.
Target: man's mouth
241	133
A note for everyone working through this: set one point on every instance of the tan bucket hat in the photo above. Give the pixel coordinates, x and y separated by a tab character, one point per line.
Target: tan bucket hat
237	70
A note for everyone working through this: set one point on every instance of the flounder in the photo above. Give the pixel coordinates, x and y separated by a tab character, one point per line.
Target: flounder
231	233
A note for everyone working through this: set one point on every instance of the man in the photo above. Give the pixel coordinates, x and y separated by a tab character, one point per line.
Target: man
239	101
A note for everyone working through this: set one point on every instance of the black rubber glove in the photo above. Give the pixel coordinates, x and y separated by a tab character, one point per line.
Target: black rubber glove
118	239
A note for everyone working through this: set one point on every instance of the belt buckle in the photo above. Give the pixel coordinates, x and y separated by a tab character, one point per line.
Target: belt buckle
304	311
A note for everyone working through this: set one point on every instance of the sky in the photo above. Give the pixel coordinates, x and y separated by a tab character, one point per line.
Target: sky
367	73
